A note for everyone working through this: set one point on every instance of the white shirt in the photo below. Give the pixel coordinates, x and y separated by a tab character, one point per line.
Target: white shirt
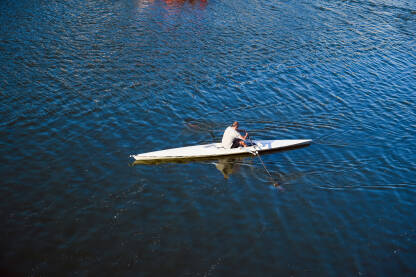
229	135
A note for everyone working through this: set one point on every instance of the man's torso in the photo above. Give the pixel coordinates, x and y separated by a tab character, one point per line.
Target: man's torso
229	135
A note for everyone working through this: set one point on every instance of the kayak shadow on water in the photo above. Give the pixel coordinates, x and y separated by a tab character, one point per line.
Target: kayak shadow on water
226	166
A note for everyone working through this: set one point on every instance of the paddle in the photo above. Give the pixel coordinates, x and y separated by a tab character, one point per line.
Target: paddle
275	184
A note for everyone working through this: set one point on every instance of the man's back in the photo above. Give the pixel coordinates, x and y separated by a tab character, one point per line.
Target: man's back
229	135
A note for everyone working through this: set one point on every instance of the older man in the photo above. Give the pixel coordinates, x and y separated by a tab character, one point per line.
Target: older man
232	138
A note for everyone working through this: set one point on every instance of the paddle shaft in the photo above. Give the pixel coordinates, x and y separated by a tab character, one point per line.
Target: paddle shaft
264	166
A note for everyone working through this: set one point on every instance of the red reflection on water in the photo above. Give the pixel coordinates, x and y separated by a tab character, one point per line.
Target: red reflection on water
172	11
174	8
179	3
173	4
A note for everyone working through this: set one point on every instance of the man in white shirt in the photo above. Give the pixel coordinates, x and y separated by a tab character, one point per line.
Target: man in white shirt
232	138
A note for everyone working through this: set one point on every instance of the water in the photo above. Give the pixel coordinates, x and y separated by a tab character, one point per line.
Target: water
84	84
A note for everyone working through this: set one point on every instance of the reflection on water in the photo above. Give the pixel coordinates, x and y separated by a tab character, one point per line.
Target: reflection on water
178	3
171	14
174	4
228	166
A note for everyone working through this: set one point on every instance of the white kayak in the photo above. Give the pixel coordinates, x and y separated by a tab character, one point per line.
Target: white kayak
213	150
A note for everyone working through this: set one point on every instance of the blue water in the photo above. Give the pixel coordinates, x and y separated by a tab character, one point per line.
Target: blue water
84	84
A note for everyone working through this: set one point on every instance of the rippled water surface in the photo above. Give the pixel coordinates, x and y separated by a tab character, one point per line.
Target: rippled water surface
84	84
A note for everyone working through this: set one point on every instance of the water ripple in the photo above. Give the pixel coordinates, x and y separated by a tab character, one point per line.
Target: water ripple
84	84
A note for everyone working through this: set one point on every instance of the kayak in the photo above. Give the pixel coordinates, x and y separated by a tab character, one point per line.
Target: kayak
214	150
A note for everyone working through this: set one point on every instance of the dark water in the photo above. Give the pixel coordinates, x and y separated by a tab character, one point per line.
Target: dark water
84	84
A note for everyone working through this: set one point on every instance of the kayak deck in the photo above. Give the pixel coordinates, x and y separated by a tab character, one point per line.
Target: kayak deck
217	150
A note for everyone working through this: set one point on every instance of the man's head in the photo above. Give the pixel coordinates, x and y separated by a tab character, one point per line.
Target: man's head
235	124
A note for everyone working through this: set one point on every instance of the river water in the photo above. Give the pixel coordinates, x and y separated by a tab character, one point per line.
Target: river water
84	84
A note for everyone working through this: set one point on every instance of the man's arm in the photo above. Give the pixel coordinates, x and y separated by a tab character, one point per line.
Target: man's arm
241	137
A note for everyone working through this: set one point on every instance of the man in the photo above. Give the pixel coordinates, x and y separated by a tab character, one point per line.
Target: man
232	138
